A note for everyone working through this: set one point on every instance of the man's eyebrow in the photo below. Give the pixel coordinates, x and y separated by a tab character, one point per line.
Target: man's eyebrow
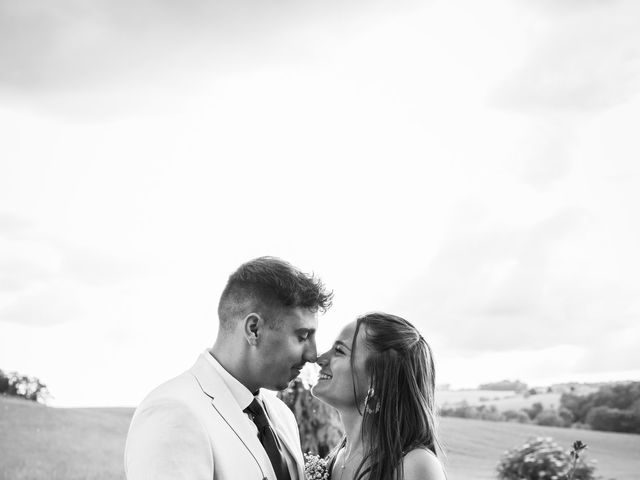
310	331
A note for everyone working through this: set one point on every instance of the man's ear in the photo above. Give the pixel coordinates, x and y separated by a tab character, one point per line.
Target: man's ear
253	324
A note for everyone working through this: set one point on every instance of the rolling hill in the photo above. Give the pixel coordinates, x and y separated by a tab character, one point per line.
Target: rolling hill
502	400
38	443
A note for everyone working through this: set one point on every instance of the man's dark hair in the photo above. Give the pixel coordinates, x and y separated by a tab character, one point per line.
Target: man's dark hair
266	285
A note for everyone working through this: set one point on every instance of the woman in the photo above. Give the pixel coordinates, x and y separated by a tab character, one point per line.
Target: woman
380	377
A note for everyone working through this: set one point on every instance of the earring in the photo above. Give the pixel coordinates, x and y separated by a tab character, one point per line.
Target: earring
371	403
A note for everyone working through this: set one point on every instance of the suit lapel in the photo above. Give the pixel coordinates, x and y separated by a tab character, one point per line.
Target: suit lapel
225	404
284	435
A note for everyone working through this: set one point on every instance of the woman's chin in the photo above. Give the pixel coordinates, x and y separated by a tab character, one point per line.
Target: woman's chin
319	391
314	391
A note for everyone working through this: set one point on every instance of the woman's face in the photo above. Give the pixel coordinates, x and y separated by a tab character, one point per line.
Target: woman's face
335	385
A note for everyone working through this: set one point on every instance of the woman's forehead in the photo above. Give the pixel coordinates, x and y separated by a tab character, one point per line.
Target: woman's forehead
346	335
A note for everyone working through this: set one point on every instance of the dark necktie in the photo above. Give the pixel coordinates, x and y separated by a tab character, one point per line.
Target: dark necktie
269	440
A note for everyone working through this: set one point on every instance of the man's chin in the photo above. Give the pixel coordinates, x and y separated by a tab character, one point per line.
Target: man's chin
282	384
278	387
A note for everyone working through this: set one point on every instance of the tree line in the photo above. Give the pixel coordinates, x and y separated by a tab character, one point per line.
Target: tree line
18	385
613	408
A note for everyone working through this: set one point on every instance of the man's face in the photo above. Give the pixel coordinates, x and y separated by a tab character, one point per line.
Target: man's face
283	351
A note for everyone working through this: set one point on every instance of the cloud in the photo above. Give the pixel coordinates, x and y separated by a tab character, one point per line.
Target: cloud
43	280
615	349
588	60
26	263
500	289
76	44
545	153
12	224
93	268
569	6
51	305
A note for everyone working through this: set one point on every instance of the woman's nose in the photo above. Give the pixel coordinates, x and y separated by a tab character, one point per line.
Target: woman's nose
323	359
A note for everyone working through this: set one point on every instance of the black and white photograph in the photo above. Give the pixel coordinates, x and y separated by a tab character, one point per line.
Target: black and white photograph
320	240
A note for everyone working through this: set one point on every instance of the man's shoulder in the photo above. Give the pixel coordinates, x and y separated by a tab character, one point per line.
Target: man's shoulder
184	386
179	390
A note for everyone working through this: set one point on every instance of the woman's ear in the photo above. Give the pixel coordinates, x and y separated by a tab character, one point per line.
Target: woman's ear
253	324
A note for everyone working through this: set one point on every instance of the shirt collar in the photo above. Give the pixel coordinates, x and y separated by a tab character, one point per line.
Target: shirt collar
241	393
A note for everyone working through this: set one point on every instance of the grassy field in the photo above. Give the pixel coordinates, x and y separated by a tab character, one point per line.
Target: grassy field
548	400
40	443
472	397
475	446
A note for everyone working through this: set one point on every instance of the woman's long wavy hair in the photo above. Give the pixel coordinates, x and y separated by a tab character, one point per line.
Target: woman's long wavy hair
399	411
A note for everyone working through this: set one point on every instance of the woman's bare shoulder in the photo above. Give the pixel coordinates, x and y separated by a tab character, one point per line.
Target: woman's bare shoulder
422	464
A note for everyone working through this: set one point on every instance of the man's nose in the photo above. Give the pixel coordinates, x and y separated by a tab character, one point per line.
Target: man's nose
310	353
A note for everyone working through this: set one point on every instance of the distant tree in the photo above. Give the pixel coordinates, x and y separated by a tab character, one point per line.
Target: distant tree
614	420
489	413
18	385
578	405
550	418
318	423
566	416
460	410
534	410
4	383
614	407
517	416
479	412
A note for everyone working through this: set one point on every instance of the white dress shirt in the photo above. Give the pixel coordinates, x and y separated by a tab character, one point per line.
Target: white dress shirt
244	397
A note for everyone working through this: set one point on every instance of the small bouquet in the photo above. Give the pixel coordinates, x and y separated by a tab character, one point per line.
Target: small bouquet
315	468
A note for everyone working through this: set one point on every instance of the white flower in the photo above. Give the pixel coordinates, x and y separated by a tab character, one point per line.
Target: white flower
315	468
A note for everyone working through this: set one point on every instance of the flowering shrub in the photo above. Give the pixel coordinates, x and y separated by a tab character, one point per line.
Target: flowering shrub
315	467
318	423
541	458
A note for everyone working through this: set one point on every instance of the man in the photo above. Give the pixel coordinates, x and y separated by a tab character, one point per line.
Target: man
213	422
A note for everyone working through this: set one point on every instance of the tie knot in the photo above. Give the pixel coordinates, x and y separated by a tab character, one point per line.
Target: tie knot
259	416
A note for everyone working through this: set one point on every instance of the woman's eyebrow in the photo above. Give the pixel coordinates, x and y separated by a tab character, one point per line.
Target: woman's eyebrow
341	343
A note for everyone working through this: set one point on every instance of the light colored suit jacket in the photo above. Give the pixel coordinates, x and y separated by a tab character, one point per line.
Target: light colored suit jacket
191	428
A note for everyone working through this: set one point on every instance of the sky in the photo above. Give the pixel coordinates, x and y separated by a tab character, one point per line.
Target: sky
471	166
